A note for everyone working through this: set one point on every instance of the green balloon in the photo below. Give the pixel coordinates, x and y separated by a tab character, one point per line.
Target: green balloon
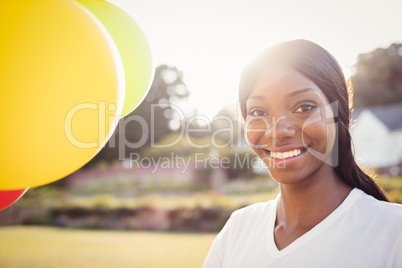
133	48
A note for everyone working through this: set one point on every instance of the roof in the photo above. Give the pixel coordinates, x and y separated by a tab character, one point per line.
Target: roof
390	115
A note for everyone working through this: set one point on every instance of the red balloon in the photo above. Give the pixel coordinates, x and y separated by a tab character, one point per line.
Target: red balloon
9	197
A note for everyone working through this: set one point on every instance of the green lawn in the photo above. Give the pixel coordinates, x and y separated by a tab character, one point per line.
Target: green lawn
53	247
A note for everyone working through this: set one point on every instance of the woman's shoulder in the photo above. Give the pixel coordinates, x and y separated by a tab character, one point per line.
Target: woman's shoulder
388	213
251	218
255	210
374	203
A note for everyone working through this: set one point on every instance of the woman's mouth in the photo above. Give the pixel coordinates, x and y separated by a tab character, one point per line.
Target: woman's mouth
285	154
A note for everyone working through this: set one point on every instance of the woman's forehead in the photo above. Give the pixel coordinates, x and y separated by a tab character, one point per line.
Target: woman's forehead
285	83
282	77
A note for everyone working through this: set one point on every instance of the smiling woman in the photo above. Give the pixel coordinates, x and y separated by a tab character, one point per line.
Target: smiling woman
280	103
295	104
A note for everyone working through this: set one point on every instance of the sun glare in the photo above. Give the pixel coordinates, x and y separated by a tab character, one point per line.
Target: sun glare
211	42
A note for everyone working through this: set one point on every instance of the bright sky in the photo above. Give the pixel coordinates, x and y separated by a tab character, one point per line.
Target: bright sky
211	41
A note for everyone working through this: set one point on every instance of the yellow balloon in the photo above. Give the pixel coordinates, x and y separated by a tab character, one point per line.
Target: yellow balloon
133	47
62	89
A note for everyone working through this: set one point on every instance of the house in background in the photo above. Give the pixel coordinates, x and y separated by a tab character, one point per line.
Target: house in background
377	138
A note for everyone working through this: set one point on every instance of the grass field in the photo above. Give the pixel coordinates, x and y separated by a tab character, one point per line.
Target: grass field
45	247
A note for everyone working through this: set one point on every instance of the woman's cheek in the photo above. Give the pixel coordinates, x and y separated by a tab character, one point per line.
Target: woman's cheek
251	138
316	136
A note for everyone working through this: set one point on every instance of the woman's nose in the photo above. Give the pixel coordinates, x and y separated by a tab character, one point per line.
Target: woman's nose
280	128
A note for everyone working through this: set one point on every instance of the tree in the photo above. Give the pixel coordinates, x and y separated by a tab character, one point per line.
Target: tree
378	77
227	126
151	120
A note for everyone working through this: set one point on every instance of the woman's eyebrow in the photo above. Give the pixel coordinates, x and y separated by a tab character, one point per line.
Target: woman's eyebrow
289	95
300	91
256	97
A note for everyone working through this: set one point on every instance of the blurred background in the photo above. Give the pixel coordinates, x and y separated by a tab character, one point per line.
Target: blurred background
157	193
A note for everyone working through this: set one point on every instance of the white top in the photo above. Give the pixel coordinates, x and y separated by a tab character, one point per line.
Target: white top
361	232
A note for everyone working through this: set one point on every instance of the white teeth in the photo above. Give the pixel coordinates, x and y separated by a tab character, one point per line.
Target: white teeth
284	155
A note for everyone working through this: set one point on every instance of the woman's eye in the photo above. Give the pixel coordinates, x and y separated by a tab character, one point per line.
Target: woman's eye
257	113
304	108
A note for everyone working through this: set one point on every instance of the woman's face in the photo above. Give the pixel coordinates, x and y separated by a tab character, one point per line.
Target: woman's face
290	125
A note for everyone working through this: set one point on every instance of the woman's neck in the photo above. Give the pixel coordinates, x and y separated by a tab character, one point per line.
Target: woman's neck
303	205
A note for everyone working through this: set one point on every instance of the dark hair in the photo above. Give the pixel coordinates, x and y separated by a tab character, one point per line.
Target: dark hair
317	64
